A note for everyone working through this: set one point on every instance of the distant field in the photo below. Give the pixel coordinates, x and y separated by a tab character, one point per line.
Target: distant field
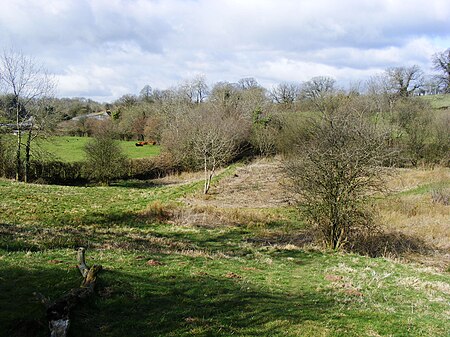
438	101
70	149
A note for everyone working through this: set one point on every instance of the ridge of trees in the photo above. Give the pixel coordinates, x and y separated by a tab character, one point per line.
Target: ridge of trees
262	120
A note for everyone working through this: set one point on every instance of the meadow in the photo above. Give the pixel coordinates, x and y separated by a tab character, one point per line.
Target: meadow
178	263
441	101
71	149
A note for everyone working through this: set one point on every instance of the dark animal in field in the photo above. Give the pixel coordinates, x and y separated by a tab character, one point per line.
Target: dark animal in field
151	142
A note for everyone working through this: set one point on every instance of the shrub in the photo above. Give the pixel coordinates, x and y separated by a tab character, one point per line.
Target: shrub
333	168
7	164
105	160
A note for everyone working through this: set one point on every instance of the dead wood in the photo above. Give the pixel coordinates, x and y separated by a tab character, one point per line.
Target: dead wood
58	311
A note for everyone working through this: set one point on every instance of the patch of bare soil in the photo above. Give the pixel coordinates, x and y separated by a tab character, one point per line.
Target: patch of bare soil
260	184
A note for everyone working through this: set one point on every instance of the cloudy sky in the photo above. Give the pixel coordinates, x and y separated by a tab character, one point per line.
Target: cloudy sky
103	49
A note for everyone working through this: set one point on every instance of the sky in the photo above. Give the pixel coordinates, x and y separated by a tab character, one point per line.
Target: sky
103	49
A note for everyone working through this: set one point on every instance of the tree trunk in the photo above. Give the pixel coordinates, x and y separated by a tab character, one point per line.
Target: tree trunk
19	141
18	151
27	156
208	175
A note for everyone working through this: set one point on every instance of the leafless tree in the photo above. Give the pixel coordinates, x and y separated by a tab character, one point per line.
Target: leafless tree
441	63
195	90
31	86
379	93
248	83
146	93
405	81
225	96
317	89
334	166
206	137
285	93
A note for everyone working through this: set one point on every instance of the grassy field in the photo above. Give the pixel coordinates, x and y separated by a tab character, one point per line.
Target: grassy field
177	263
70	149
438	101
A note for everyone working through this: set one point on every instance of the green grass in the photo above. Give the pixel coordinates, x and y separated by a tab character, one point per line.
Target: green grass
213	281
438	101
70	149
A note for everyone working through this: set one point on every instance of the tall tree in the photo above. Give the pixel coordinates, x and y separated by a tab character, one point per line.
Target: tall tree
405	81
206	137
441	63
285	93
146	93
195	90
317	89
30	85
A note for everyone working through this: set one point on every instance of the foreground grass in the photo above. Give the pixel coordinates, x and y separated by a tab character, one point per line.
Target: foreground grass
217	280
70	149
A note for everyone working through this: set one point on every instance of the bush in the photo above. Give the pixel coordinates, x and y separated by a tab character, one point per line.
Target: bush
152	168
7	163
105	160
332	169
56	172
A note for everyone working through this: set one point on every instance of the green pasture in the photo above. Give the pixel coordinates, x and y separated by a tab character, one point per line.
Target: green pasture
438	101
70	149
165	278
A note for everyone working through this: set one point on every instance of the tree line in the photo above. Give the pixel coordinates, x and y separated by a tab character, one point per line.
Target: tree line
203	126
336	143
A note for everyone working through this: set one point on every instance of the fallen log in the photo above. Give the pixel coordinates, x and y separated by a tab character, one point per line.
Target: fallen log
58	311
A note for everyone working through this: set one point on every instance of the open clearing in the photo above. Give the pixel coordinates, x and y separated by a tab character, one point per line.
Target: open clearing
71	149
178	263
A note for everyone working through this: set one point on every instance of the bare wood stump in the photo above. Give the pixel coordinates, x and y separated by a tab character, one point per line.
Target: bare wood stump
58	311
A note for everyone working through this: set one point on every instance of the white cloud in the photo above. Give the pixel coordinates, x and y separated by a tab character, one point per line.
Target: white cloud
106	48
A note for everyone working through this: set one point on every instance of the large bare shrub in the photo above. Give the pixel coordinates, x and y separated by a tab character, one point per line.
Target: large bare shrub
206	138
333	168
105	159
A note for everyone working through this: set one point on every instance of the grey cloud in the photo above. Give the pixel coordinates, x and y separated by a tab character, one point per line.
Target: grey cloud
111	48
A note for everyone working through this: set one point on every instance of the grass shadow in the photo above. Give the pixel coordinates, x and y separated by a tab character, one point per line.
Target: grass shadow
389	244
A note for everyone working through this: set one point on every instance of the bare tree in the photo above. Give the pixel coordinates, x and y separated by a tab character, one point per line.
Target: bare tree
405	81
30	85
317	89
146	93
248	83
441	63
379	93
206	137
195	90
225	96
285	93
335	165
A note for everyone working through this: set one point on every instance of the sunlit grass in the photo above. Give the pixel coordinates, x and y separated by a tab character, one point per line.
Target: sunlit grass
70	149
438	101
231	272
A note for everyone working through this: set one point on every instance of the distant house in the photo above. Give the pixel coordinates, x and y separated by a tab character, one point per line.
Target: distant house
12	127
100	116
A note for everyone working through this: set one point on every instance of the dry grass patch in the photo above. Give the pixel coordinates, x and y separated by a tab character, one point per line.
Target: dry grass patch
418	216
404	179
257	185
417	209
